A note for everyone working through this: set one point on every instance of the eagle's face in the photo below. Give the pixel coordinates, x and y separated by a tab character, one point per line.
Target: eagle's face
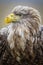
17	14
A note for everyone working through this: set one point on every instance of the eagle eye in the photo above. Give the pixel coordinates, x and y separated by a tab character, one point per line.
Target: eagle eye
18	14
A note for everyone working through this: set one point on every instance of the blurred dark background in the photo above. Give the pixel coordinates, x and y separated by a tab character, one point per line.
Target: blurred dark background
6	7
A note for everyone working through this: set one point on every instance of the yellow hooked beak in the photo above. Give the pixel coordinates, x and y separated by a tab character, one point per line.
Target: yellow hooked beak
11	18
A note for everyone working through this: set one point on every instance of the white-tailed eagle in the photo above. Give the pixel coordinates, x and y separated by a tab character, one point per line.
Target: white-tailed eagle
21	36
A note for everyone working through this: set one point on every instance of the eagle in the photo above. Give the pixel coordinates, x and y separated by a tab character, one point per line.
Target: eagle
20	40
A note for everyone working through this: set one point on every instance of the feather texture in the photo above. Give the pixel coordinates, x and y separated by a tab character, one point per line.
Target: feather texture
23	38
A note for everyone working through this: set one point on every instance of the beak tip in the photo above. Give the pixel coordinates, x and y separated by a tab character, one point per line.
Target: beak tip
7	20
